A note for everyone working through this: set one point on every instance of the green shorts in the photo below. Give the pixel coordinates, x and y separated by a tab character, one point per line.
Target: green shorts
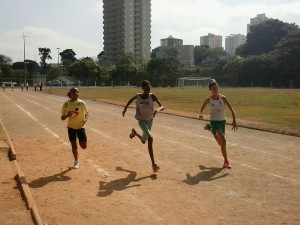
146	126
217	125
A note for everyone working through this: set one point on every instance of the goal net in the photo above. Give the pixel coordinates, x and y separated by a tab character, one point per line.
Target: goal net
193	81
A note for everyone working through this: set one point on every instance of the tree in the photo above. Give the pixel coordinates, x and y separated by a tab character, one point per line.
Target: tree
125	70
68	54
264	37
5	64
88	72
0	72
45	55
5	60
286	58
200	53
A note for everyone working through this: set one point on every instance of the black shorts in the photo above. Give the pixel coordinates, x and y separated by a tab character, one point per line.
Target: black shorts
80	133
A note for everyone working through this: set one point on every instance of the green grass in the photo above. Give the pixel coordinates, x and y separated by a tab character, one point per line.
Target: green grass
272	109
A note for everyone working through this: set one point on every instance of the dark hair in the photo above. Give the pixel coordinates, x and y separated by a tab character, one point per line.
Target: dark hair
72	89
145	83
212	82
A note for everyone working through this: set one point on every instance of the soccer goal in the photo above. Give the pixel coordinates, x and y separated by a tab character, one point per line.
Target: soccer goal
193	81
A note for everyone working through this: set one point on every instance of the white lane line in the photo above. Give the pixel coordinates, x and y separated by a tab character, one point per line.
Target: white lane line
234	161
212	139
192	148
98	168
51	132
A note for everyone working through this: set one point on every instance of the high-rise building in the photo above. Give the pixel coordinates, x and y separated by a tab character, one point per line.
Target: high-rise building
127	28
256	20
212	40
232	42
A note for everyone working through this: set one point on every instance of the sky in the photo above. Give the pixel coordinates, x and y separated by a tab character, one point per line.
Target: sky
78	24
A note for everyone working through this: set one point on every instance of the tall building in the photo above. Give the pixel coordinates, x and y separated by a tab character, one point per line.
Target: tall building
212	40
127	28
232	42
256	20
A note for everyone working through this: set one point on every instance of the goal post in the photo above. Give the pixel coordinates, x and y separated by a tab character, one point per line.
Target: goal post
193	81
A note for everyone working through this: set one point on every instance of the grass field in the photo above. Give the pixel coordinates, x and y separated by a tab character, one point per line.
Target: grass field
271	109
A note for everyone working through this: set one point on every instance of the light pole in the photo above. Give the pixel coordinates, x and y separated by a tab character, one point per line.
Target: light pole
24	58
58	66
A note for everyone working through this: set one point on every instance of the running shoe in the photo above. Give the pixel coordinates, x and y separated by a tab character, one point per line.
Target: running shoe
155	168
76	165
132	134
227	164
207	126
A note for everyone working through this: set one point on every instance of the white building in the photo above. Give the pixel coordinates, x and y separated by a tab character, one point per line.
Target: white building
211	40
232	42
126	28
256	20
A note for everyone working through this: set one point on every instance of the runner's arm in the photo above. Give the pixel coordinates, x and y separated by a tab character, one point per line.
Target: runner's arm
234	125
206	101
128	103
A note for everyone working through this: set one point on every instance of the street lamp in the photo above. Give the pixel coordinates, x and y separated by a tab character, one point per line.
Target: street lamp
58	66
24	58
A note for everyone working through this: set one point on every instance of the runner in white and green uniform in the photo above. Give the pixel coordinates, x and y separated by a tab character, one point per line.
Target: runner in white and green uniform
144	114
217	118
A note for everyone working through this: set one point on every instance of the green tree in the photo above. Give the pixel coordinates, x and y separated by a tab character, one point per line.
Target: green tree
200	53
286	58
5	59
88	72
68	54
6	66
264	37
45	55
125	70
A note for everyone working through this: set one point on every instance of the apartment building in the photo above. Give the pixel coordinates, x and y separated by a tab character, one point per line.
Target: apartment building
126	28
211	40
185	52
232	42
256	20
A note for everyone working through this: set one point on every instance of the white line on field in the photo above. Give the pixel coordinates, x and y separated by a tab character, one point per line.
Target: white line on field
192	148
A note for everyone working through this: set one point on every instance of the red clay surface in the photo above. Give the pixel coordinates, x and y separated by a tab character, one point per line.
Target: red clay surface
115	183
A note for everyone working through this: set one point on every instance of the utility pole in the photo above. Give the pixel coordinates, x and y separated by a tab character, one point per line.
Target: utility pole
58	66
24	58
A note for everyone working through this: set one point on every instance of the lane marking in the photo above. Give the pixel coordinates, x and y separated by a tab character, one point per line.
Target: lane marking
189	147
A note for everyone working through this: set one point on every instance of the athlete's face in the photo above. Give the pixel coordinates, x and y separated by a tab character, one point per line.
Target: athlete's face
146	89
74	94
214	89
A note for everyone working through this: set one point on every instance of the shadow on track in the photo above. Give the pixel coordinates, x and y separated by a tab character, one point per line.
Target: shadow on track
207	174
46	180
106	189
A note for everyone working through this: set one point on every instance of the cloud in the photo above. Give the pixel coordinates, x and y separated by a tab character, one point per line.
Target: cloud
190	19
12	44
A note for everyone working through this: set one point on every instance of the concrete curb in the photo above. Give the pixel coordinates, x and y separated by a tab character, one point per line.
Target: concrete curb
12	153
22	183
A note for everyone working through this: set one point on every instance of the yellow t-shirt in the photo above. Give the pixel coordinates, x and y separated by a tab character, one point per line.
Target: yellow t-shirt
78	109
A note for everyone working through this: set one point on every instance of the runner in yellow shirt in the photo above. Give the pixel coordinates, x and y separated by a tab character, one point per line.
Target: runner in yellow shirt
77	113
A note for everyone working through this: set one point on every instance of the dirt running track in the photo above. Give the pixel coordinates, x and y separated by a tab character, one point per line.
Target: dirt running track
115	183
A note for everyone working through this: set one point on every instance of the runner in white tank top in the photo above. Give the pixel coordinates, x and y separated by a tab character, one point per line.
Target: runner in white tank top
144	107
217	118
145	114
217	109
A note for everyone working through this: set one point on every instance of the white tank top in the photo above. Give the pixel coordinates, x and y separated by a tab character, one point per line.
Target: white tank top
217	109
144	107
